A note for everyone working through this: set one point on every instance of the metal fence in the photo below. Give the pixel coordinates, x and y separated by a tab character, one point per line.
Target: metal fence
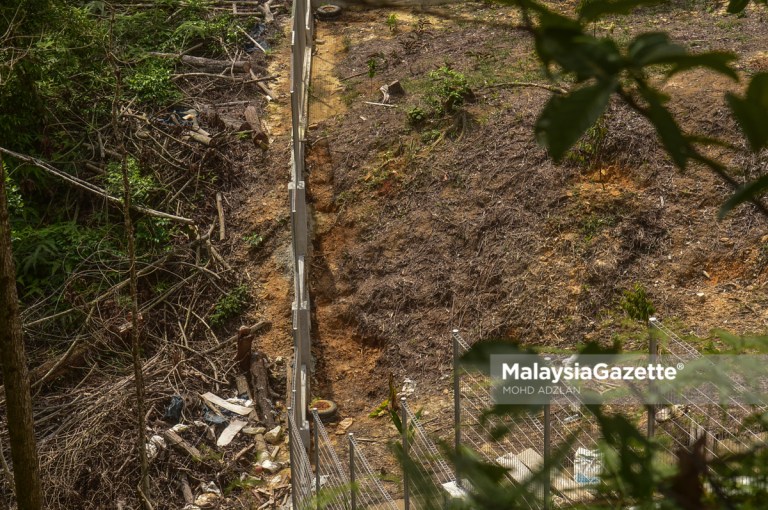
301	470
366	490
528	441
332	486
302	477
701	414
301	64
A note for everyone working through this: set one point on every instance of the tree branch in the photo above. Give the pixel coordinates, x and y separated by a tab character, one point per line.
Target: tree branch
87	186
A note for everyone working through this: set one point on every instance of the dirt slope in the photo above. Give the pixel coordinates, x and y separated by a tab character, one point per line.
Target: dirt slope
466	223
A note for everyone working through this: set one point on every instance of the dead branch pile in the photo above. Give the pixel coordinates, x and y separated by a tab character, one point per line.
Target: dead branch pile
199	154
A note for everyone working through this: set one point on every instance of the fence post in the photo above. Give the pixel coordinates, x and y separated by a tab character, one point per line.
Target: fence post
404	423
653	349
352	476
316	439
291	459
456	402
548	478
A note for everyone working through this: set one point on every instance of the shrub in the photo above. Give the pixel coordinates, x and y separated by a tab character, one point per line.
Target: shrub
637	305
449	89
230	306
151	84
416	116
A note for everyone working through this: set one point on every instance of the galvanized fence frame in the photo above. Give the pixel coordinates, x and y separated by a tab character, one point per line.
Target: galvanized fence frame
366	490
542	434
302	477
301	470
301	66
704	415
332	486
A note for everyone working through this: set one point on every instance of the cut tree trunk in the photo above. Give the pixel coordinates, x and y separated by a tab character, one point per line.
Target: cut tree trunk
26	467
261	389
253	122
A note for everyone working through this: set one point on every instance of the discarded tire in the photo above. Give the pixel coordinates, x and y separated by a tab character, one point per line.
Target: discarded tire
326	409
329	11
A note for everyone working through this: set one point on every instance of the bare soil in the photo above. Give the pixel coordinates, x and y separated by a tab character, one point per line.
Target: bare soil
466	223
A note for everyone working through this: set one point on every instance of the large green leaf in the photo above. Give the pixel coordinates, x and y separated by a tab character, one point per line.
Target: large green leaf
748	192
655	48
565	118
715	60
590	10
735	6
581	54
669	132
647	48
752	111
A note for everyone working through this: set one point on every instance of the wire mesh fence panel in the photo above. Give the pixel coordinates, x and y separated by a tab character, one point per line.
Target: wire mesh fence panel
301	470
699	412
432	479
501	440
574	434
330	474
369	493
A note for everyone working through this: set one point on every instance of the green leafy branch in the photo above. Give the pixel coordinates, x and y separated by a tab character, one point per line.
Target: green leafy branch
601	69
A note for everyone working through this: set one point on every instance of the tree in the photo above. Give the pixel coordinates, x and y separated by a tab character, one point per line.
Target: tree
15	375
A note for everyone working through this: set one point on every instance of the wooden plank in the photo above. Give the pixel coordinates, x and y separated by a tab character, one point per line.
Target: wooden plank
517	470
230	432
566	485
531	459
242	386
212	399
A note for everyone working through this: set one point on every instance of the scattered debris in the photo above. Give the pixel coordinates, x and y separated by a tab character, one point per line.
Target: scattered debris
155	444
207	500
230	432
214	400
668	413
395	88
344	425
274	435
255	39
587	466
176	440
328	11
173	411
408	389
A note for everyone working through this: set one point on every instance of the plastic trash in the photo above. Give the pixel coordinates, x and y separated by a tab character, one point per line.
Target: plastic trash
173	411
213	418
587	466
256	32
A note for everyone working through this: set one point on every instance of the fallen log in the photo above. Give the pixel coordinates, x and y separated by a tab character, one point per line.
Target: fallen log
268	16
210	64
91	188
266	90
199	137
253	122
242	66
